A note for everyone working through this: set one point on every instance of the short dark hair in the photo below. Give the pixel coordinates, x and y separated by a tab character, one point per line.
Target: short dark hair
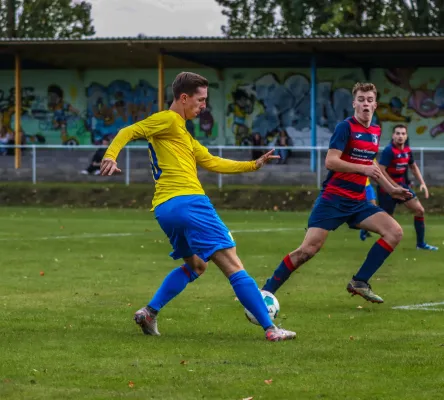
399	126
364	87
188	83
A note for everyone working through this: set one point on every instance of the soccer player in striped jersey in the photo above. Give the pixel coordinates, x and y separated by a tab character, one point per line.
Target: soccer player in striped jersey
395	160
183	211
350	159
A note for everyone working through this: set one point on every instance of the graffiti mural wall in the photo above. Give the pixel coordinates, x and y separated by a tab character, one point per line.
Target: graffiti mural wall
268	102
414	97
68	107
65	107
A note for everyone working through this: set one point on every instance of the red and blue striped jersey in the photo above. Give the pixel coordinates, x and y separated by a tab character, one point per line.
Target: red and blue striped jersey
396	161
359	145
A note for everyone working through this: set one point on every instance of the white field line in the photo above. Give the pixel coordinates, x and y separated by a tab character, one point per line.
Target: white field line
424	306
106	235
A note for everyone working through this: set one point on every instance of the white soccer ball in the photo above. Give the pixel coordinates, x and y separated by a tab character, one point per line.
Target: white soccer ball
272	304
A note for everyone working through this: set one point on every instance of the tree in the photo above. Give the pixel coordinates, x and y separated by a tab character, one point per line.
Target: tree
45	19
252	18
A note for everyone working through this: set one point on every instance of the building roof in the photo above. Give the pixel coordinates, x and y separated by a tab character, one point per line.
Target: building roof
367	51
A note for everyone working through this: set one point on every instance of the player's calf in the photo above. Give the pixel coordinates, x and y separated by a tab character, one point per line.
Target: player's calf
308	249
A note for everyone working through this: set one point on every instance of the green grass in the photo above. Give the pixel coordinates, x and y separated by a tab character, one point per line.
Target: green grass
69	334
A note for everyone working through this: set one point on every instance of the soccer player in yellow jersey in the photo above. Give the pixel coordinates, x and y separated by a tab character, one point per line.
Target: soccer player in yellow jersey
184	213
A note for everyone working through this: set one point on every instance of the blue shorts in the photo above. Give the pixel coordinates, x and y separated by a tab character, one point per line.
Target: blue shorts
330	214
388	203
193	227
370	193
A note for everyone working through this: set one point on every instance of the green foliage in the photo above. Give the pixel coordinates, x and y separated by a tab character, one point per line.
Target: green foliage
252	18
47	19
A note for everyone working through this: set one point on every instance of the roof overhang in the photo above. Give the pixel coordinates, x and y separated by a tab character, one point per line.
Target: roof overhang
220	53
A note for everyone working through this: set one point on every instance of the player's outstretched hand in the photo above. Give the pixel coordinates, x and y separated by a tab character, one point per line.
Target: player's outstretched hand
423	188
372	171
109	167
261	161
401	193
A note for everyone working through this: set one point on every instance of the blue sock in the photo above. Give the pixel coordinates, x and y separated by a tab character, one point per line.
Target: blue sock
280	275
375	258
250	297
420	230
174	283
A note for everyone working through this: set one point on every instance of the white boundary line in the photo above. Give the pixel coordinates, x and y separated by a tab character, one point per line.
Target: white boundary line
106	235
424	306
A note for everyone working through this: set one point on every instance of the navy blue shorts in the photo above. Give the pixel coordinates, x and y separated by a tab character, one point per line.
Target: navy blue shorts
388	203
332	213
193	227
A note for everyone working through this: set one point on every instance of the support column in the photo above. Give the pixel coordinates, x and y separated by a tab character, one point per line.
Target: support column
18	110
161	82
313	112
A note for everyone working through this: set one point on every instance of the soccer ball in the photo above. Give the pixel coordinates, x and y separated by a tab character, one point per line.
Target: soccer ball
272	304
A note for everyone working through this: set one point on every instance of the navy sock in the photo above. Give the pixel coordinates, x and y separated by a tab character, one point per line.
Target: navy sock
420	230
174	283
375	258
250	297
280	275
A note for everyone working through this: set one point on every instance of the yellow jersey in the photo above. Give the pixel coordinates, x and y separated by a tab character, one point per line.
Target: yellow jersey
174	155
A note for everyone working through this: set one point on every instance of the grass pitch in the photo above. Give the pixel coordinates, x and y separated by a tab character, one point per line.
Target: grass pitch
72	279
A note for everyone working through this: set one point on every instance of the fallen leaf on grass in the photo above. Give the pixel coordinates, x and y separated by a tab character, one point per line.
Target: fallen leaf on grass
268	381
131	384
42	273
352	338
184	362
248	398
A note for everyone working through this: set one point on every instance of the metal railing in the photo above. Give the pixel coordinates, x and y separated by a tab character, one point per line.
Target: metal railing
216	150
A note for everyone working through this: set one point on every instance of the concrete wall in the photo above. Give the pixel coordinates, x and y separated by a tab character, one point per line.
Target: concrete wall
65	165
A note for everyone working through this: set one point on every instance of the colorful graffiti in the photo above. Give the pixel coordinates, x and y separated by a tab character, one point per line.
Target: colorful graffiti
64	108
269	104
49	117
46	117
413	96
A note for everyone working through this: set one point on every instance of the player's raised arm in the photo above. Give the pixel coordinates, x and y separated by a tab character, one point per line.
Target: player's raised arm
153	125
225	166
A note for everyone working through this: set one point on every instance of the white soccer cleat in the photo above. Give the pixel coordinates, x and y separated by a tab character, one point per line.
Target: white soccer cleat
275	334
147	321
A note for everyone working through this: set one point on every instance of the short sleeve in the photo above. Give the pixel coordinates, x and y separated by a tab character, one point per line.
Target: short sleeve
386	157
340	136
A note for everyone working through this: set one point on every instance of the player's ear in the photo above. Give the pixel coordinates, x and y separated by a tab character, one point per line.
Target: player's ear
183	98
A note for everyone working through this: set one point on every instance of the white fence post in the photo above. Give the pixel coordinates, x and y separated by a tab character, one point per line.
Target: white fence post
34	164
127	165
421	160
219	178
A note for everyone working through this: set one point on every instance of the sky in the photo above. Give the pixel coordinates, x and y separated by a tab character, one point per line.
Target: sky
112	18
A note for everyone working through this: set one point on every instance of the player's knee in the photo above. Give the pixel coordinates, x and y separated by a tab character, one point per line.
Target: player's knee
308	250
199	267
395	234
419	212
